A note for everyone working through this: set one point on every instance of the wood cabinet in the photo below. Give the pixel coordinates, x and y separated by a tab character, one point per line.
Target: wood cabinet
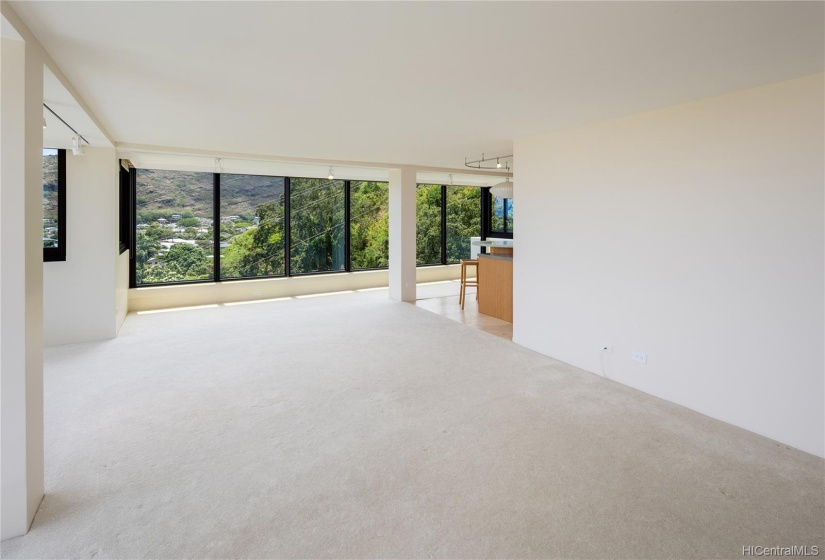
495	286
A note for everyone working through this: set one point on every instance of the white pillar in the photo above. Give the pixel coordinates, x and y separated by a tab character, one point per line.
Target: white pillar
402	234
21	286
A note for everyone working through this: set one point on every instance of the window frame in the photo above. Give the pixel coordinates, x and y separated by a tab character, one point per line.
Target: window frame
444	214
487	207
443	208
346	268
216	187
125	225
288	273
216	231
443	226
348	226
58	254
133	246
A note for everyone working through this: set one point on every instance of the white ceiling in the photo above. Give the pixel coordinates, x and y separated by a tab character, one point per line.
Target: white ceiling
421	83
59	100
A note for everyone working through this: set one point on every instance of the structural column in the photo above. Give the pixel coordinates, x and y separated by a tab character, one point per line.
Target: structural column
402	234
21	285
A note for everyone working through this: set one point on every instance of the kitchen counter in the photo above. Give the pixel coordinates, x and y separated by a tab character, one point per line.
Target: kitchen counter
498	257
497	246
495	285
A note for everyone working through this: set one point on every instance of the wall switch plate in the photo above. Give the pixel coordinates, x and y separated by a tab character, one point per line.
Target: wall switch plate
640	357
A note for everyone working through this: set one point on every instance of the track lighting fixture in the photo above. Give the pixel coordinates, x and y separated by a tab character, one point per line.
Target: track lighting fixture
77	147
500	190
487	162
331	175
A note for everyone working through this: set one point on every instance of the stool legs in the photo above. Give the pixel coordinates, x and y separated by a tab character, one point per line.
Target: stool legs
462	293
463	290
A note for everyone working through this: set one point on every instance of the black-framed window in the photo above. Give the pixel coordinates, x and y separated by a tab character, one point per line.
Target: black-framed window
54	204
252	226
200	227
463	221
316	230
369	219
174	221
447	217
498	216
428	224
262	226
124	207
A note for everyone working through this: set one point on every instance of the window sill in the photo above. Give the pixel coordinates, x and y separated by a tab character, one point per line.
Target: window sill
146	298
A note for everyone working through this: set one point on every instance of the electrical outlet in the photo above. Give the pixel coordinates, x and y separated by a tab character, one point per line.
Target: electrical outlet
259	293
607	348
640	357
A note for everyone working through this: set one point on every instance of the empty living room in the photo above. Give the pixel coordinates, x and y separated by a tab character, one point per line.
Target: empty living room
265	291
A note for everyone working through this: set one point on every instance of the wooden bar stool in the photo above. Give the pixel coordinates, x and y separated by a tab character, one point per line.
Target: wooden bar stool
462	294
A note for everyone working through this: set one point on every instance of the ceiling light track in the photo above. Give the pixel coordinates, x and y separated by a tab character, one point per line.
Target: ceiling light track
67	124
504	189
485	162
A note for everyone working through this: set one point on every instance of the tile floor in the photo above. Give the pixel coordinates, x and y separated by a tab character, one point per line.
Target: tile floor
442	298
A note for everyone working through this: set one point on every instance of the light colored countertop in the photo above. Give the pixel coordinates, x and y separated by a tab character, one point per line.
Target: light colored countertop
498	257
494	243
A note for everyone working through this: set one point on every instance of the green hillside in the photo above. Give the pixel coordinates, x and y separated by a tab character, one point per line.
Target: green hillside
176	192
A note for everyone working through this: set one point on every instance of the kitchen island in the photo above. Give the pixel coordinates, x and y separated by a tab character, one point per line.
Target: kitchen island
495	279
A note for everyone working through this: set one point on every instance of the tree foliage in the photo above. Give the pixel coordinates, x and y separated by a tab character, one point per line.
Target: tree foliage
316	225
257	251
428	224
175	234
369	225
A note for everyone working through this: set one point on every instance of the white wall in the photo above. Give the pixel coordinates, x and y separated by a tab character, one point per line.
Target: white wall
693	234
164	297
80	294
21	285
122	289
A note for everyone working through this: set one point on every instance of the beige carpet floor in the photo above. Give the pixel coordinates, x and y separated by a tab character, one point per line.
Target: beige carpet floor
353	426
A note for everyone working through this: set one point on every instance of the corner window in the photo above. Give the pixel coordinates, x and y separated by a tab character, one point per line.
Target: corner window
499	216
185	227
54	205
447	217
463	221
